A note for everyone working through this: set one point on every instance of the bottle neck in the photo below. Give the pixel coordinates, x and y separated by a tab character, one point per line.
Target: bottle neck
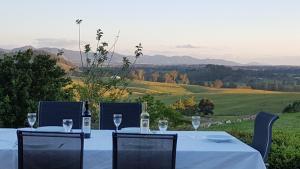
87	111
144	107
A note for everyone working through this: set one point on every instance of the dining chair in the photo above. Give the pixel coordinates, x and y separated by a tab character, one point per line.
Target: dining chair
50	150
144	151
130	115
51	113
262	138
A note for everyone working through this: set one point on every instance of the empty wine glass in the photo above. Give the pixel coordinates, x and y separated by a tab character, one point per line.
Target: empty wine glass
67	124
196	122
163	125
117	120
31	117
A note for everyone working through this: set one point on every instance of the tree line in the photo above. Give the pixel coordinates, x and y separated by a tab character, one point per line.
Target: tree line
156	76
274	78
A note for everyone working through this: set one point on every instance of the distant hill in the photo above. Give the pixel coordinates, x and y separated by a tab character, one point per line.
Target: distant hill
74	57
182	60
2	51
255	64
64	63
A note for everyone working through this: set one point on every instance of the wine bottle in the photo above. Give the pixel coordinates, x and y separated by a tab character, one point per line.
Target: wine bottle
86	121
145	119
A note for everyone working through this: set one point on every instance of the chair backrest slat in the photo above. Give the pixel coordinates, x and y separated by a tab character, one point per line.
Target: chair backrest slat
144	151
51	113
50	150
130	115
262	138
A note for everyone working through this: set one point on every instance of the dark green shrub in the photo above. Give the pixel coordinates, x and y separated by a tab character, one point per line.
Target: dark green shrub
292	108
206	106
25	79
243	136
285	150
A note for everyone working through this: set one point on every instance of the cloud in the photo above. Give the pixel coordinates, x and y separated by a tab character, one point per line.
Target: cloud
60	43
204	48
188	46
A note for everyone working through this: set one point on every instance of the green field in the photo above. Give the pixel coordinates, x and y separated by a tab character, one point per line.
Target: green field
229	102
286	122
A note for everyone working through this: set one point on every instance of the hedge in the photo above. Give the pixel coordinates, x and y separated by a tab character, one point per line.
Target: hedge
285	150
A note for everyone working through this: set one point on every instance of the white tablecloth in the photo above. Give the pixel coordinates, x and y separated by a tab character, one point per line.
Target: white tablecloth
194	151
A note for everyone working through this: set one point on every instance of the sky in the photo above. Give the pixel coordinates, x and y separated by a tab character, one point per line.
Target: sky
263	31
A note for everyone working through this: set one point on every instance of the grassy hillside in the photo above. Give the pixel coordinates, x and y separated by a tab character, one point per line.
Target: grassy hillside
286	122
227	101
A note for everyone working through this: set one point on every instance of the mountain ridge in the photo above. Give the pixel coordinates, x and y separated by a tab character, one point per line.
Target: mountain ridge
74	57
61	61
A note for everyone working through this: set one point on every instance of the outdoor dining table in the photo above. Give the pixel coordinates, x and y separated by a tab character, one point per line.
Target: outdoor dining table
194	151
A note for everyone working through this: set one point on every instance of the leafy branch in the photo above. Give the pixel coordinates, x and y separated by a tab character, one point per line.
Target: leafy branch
104	81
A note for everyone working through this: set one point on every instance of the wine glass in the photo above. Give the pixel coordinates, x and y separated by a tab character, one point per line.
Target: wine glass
67	124
117	120
163	125
196	122
31	117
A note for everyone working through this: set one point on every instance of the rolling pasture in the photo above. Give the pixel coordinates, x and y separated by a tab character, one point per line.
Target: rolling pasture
228	102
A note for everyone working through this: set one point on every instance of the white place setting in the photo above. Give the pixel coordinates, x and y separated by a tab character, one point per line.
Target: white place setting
195	149
201	149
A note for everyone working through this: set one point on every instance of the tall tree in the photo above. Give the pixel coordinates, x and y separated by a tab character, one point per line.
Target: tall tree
155	76
49	79
133	75
218	84
140	74
168	78
174	75
184	78
24	80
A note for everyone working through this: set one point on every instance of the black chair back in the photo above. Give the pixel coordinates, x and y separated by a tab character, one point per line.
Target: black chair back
262	138
130	115
48	150
144	151
51	113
